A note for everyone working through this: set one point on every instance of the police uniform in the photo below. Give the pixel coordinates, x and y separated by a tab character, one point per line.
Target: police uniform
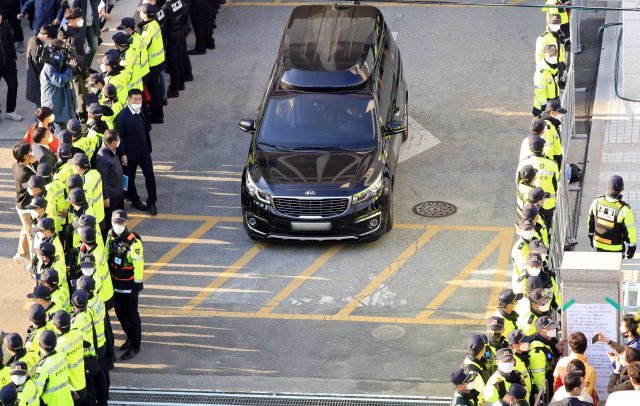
27	392
172	19
70	343
500	382
92	185
38	319
527	320
59	292
152	40
14	343
52	376
203	19
469	395
548	173
543	356
563	12
130	60
545	82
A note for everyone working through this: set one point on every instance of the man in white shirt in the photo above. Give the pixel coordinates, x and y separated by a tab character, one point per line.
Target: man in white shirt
628	397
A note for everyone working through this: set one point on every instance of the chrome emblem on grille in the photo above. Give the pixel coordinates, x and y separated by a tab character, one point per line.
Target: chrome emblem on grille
310	193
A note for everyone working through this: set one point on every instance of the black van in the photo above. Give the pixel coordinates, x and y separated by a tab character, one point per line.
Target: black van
325	143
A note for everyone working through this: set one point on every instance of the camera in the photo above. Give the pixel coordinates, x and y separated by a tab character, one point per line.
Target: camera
57	57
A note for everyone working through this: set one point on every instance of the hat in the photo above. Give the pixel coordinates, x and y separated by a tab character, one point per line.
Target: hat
80	298
554	19
616	184
75	126
528	172
461	376
87	261
537	125
503	353
533	282
495	323
65	137
518	336
534	259
37	314
530	211
91	98
95	78
9	394
518	391
42	292
119	216
94	109
148	9
475	344
111	58
127	22
526	224
50	276
48	340
77	196
508	296
536	144
62	320
120	38
109	90
538	295
37	203
47	249
555	105
550	49
87	234
35	181
81	159
64	151
13	341
86	283
546	322
536	194
44	170
46	223
86	220
537	246
19	368
75	181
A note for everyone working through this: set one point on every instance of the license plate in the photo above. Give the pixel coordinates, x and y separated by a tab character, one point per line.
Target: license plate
310	226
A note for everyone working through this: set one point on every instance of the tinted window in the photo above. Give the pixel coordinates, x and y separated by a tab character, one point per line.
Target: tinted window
319	120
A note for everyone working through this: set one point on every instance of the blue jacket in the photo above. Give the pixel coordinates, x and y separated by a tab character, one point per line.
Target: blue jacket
56	93
45	12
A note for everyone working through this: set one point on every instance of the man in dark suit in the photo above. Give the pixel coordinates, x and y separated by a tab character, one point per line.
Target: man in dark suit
40	147
35	48
135	150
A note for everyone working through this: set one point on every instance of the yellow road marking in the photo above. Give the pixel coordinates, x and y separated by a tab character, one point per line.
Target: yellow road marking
133	222
220	280
175	251
294	284
501	272
409	252
456	282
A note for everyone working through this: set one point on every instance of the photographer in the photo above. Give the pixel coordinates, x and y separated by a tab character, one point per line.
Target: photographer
73	36
35	47
55	83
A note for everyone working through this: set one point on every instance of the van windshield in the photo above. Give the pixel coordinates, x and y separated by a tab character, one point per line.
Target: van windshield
319	121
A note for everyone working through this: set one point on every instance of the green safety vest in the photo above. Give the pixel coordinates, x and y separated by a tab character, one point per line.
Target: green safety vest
82	321
541	363
93	192
85	145
64	171
545	82
56	198
564	16
32	343
102	272
548	176
498	386
61	297
28	393
119	80
95	137
519	254
98	311
136	42
132	66
614	224
31	358
52	379
552	142
5	375
71	344
152	39
549	39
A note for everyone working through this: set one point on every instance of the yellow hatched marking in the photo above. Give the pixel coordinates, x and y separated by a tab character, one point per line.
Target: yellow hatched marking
501	272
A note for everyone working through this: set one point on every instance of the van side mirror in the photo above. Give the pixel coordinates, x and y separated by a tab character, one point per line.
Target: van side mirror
396	127
247	126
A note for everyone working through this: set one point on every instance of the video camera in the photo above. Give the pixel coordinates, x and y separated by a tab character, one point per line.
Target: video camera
58	58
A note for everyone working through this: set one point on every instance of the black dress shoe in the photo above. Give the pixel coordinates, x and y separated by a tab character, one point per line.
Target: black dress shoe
181	87
153	210
125	346
196	52
140	206
157	120
173	94
129	354
189	78
212	45
165	102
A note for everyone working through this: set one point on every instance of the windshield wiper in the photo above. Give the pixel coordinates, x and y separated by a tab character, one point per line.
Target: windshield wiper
279	147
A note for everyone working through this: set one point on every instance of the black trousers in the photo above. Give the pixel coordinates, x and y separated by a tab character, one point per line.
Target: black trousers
11	14
127	312
176	47
186	62
146	164
102	380
9	73
115	203
155	91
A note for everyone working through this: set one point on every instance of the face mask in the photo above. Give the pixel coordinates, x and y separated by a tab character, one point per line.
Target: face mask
545	308
94	89
534	271
506	367
80	23
88	271
552	333
528	234
471	385
524	347
30	191
143	16
118	228
494	336
33	214
18	380
559	116
552	60
554	27
103	68
136	107
52	118
624	330
40	236
117	144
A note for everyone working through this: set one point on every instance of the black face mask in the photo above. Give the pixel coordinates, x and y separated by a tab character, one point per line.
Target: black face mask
494	336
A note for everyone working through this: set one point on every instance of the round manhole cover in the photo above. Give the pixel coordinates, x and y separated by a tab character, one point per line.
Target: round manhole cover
388	332
434	209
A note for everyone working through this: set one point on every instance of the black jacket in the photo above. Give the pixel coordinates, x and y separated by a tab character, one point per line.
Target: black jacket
135	140
21	175
74	37
7	46
34	67
44	154
108	164
172	19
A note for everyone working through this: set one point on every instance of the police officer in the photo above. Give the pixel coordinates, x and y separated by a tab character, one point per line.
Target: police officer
526	232
152	40
114	74
552	144
42	296
80	141
507	301
519	275
553	118
63	168
545	80
5	372
611	223
539	306
91	245
46	258
59	289
52	375
519	345
543	353
466	394
140	63
38	320
536	268
126	264
55	190
476	361
526	182
92	184
515	396
563	13
532	211
15	346
173	22
8	394
202	19
70	343
129	58
552	36
25	386
111	102
496	339
506	375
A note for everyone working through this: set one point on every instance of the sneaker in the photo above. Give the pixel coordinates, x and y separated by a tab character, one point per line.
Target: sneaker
13	116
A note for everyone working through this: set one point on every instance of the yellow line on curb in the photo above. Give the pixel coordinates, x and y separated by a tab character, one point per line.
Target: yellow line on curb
397	263
501	271
220	280
294	284
454	284
133	222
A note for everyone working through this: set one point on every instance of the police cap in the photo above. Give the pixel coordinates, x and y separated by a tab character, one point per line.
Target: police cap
37	314
91	98
48	340
95	110
530	211
75	181
555	105
50	276
65	137
46	223
533	282
528	172
539	295
9	395
537	246
508	296
19	368
42	292
44	170
536	194
95	78
120	38
534	259
518	391
64	151
475	344
495	323
86	220
35	181
76	196
109	90
518	336
13	342
111	58
80	298
526	224
554	19
87	261
504	353
87	235
550	49
37	203
546	322
47	249
75	127
86	283
616	184
536	144
119	216
148	9
537	125
127	22
461	376
81	159
62	320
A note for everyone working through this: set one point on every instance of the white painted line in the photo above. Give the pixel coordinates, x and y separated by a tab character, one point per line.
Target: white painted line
420	140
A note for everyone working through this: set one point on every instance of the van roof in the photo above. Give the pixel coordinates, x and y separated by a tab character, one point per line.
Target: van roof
329	46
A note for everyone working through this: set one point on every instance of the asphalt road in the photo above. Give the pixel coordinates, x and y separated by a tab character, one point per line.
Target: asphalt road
223	312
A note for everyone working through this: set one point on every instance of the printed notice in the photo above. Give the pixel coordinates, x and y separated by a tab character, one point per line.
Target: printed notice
589	319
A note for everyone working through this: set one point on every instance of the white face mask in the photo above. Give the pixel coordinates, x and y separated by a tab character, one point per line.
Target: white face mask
545	308
80	23
33	214
103	68
118	228
53	117
117	144
506	367
88	271
18	380
94	89
527	234
30	191
559	116
553	60
554	27
534	271
524	347
552	333
40	236
471	385
143	16
136	107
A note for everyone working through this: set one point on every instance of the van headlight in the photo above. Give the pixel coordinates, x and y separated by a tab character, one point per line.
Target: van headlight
255	191
369	193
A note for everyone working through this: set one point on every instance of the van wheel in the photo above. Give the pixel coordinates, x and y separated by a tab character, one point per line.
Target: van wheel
405	133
